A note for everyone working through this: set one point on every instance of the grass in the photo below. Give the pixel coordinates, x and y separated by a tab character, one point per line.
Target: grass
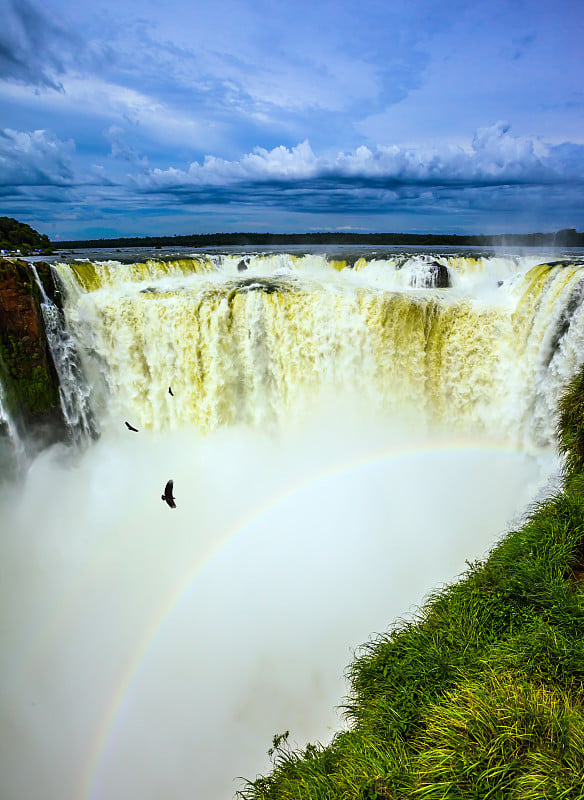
481	696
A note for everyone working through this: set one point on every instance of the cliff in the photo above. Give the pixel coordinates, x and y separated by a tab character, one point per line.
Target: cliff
28	373
480	694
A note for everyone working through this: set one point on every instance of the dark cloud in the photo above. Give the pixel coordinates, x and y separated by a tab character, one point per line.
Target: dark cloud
30	45
498	177
373	181
321	197
37	50
36	158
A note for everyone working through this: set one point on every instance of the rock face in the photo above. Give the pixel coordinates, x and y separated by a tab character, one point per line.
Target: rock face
438	276
27	370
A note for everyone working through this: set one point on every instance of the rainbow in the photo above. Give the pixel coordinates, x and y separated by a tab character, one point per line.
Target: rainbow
114	709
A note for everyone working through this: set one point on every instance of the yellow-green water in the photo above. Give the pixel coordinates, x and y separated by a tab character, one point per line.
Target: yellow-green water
341	441
261	341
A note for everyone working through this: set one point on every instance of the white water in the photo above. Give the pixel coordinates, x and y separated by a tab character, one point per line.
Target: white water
490	354
12	449
73	390
154	653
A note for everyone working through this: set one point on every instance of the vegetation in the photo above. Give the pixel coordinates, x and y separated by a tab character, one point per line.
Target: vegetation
570	431
568	237
482	695
28	374
16	236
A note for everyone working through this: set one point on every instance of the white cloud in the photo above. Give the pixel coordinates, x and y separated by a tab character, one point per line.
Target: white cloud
89	96
280	163
35	158
494	156
311	105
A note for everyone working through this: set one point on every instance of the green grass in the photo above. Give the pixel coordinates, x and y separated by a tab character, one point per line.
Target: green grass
481	696
571	424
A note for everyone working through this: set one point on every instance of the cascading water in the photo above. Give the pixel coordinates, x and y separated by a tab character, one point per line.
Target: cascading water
258	341
73	389
343	433
12	447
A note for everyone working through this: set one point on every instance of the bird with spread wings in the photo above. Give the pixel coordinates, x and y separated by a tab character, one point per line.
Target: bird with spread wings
167	497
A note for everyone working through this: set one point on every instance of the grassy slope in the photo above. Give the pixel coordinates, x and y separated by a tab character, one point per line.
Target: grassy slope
482	696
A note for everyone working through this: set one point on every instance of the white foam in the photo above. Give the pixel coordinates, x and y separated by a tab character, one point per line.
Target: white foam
150	652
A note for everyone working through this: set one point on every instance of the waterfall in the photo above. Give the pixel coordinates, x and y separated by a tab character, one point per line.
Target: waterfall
257	340
15	452
308	515
74	392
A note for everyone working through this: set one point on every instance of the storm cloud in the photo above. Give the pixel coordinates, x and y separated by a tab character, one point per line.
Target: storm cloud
34	47
496	167
494	157
258	115
35	158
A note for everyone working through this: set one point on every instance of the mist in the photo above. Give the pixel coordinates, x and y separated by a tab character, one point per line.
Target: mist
150	652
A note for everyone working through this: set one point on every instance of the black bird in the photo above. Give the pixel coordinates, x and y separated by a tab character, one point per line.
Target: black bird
170	391
167	496
131	428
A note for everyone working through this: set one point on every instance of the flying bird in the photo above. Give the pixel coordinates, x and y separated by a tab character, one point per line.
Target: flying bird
170	391
167	496
131	427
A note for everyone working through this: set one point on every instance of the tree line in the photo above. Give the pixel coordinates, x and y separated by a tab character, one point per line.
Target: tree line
16	235
568	237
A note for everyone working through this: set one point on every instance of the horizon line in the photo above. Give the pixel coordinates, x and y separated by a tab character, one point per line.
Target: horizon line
567	236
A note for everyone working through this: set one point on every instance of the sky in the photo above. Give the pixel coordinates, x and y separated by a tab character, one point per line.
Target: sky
136	117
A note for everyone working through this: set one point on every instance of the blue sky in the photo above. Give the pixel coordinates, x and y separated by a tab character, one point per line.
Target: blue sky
142	117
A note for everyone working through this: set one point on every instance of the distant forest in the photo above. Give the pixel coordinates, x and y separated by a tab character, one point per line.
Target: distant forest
568	237
16	235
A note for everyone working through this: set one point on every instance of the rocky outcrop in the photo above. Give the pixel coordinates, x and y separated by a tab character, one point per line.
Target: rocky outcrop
438	276
28	374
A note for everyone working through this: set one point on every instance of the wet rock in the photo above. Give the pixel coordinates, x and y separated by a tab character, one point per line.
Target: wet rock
560	263
258	285
50	283
29	376
266	285
563	262
564	321
437	276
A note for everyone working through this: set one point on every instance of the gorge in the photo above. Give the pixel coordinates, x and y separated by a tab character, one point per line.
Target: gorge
343	435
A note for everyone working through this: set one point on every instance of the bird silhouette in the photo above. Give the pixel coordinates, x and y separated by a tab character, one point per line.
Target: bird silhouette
170	391
167	497
131	427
